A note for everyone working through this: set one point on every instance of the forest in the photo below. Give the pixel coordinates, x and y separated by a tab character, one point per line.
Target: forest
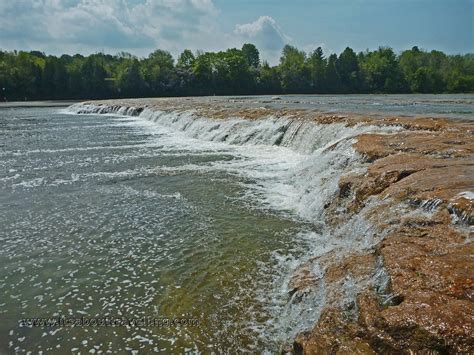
34	75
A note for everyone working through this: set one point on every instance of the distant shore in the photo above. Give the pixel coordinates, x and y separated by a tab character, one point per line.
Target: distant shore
58	103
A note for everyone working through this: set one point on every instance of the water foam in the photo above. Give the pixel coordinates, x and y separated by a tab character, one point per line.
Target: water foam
297	163
287	165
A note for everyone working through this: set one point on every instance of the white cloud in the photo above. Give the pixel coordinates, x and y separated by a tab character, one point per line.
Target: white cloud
264	30
265	34
136	26
91	25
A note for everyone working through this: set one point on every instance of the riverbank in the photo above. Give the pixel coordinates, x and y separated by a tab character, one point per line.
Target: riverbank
402	280
54	103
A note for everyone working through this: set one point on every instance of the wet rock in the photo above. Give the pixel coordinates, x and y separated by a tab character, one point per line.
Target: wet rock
425	177
462	210
416	196
303	280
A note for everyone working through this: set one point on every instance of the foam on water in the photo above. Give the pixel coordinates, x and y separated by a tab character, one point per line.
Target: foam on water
293	167
467	195
287	168
295	163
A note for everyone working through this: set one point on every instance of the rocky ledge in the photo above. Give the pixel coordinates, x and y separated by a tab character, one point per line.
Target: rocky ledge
415	288
422	181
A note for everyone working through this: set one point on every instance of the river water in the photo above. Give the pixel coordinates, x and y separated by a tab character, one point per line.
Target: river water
163	216
108	216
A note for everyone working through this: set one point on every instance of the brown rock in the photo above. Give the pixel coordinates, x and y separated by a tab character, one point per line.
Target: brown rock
413	194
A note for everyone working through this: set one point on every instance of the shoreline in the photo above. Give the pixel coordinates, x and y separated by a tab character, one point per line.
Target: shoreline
309	102
31	104
414	288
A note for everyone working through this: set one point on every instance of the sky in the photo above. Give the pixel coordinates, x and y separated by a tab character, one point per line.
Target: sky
141	26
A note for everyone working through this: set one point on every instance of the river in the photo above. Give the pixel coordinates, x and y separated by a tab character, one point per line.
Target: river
169	217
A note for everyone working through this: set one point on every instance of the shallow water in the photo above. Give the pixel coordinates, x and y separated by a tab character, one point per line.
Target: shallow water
459	106
113	216
169	216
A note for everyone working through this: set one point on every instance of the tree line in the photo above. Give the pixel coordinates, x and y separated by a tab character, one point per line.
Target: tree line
34	75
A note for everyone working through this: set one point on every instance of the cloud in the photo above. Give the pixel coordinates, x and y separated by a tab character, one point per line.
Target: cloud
265	34
263	31
136	26
140	26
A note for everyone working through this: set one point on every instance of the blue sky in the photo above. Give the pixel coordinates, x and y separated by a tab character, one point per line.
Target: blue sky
140	26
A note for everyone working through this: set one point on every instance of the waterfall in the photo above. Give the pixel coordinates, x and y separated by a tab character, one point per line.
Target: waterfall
326	148
303	182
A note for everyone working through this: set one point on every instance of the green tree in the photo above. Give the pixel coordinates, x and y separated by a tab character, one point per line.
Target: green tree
293	70
460	76
424	72
54	79
317	68
186	59
332	79
348	69
251	55
231	74
204	72
33	75
185	80
381	71
268	81
130	79
159	73
94	74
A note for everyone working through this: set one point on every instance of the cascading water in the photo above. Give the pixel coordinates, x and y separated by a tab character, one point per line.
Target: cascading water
255	228
320	153
287	166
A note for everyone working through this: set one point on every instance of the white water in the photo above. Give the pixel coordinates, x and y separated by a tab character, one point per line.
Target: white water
297	163
295	167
